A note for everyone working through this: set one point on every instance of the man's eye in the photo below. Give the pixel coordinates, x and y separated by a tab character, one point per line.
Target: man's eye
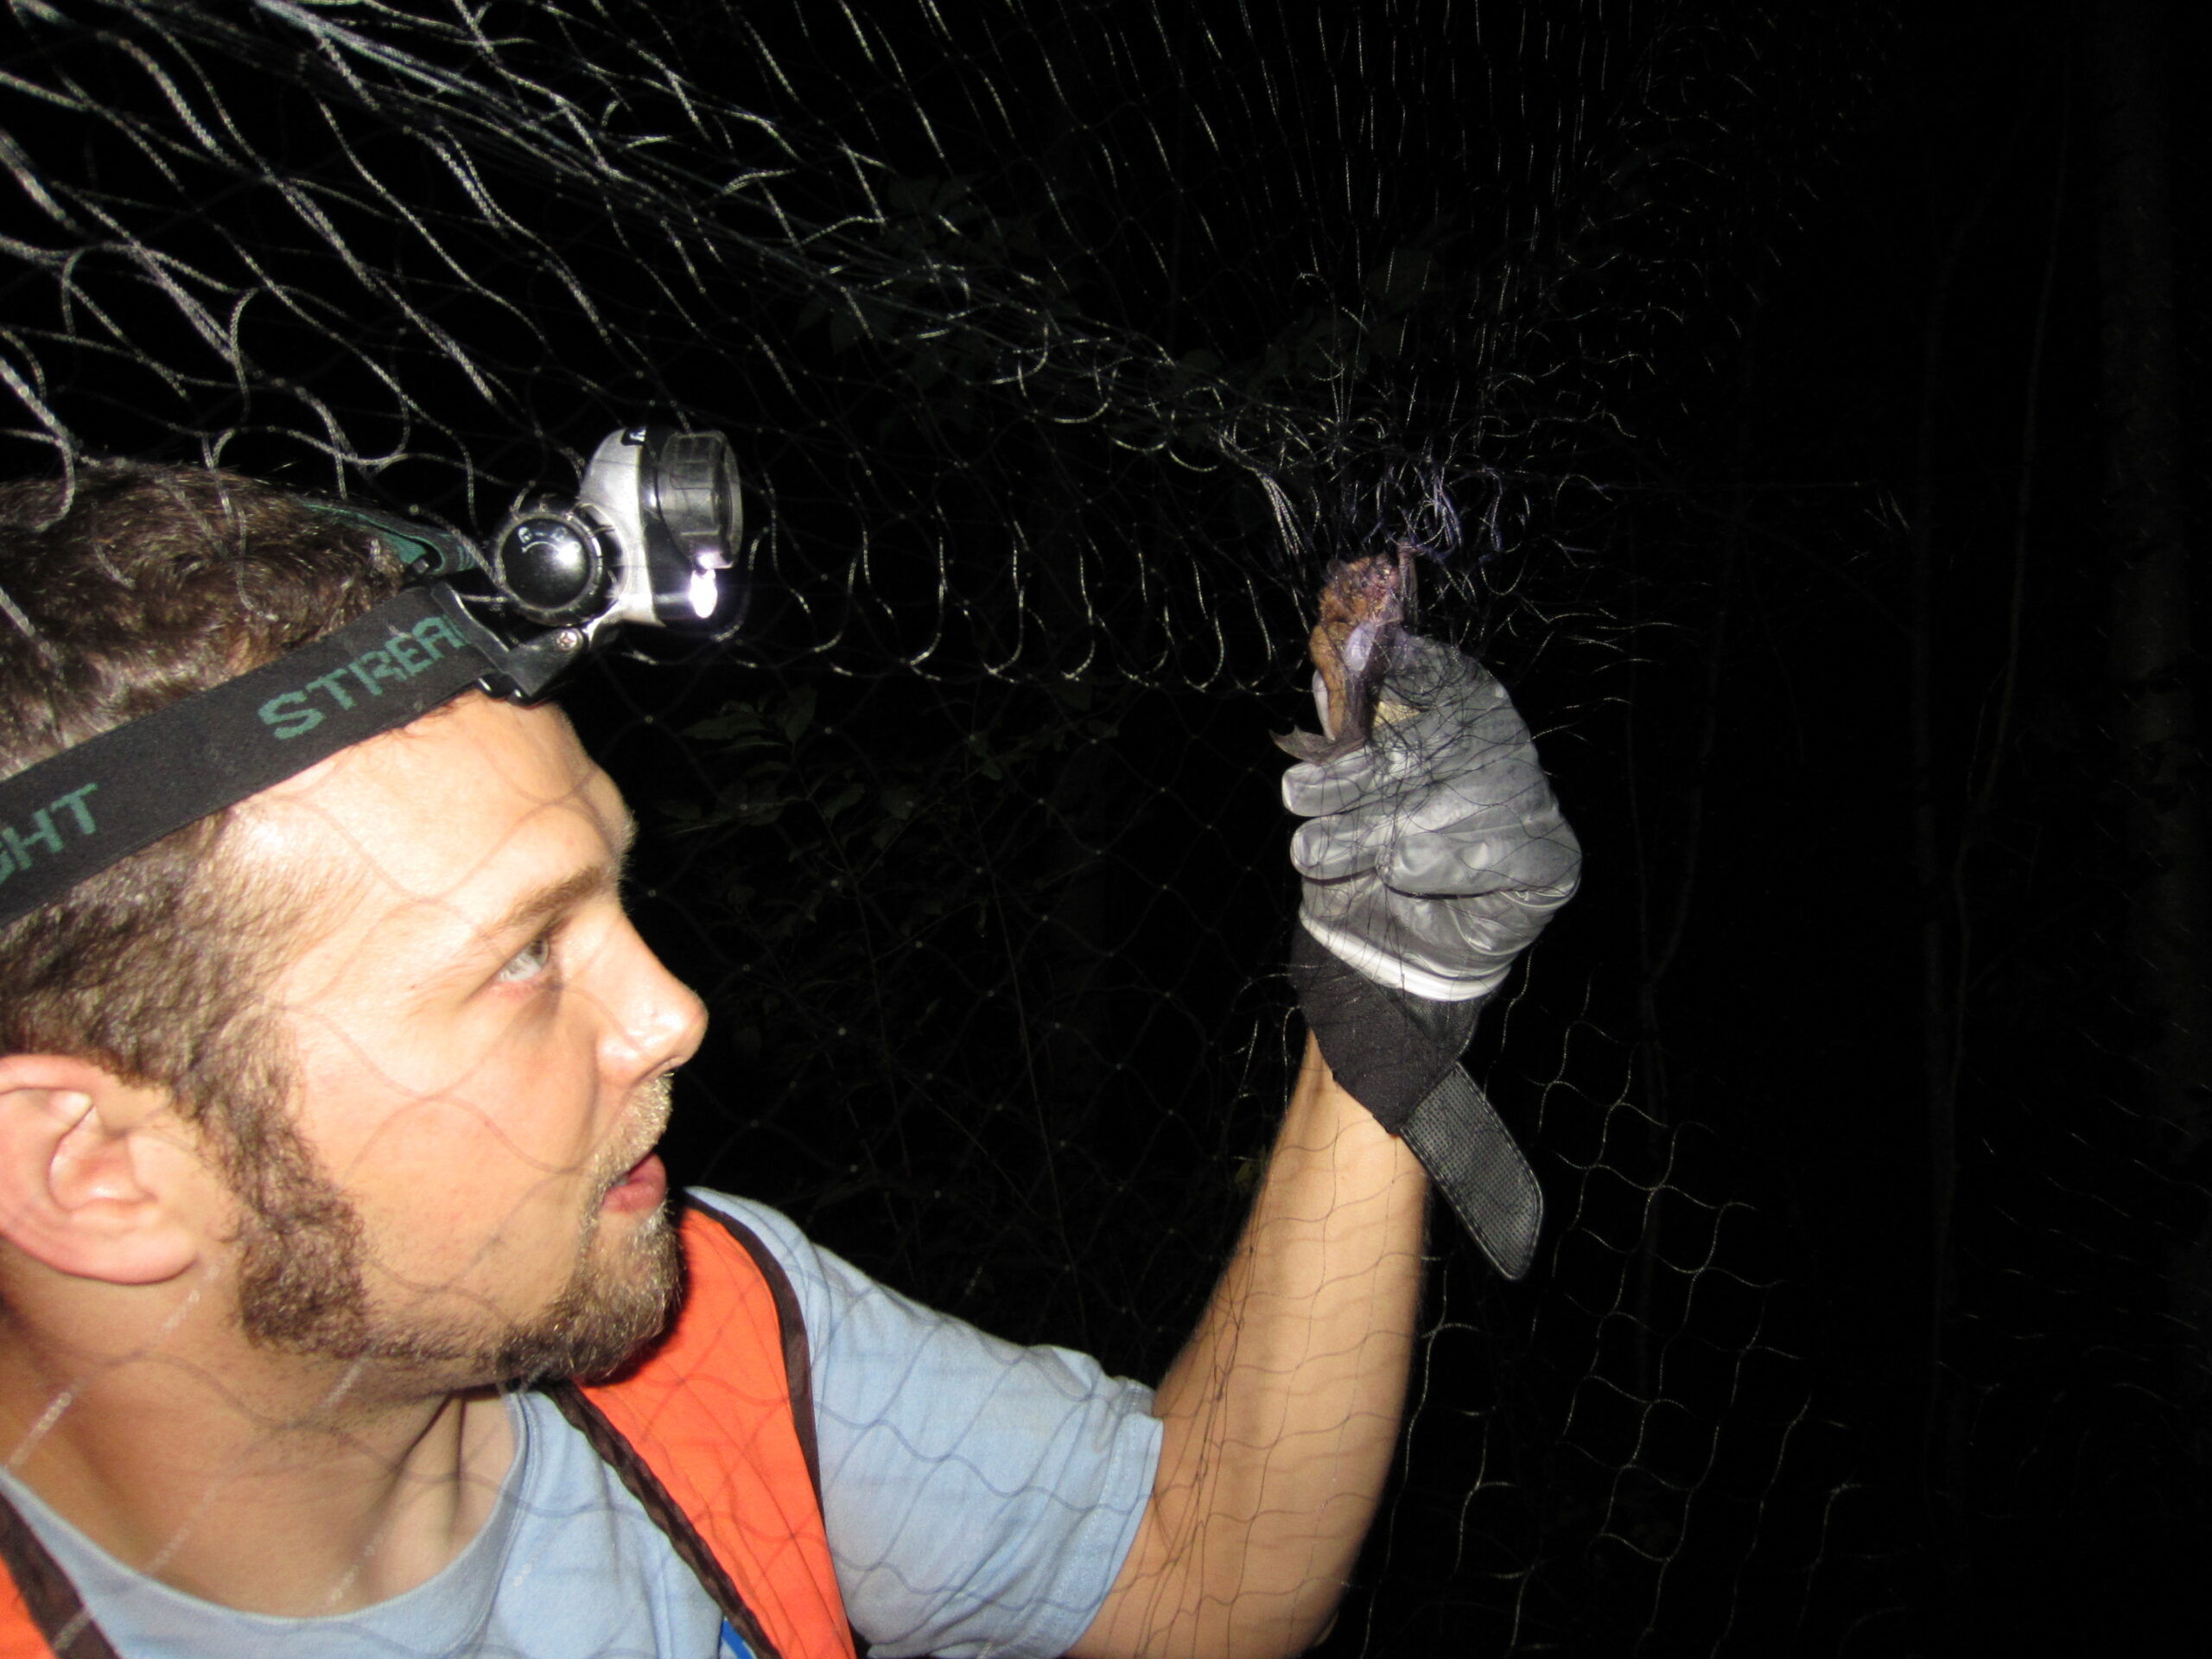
528	962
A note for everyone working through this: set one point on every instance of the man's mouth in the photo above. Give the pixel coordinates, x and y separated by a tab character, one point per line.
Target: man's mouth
643	1186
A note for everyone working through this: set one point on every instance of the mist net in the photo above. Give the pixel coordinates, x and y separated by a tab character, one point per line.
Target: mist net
1062	345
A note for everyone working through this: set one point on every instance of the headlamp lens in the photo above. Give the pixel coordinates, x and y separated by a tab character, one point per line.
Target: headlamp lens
695	487
689	488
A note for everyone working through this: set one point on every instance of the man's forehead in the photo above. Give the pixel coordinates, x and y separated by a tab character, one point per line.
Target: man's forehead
457	815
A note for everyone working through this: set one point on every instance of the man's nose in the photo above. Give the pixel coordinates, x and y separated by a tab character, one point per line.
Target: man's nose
658	1022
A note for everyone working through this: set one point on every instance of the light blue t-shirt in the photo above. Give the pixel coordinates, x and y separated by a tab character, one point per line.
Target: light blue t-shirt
979	1499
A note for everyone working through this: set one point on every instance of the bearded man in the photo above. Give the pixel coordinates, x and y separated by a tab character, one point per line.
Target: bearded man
347	1310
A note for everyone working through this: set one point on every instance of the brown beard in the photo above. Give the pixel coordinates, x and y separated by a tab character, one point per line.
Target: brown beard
304	1280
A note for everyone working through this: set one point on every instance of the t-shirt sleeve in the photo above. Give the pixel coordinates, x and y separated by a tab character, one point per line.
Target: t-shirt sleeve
979	1497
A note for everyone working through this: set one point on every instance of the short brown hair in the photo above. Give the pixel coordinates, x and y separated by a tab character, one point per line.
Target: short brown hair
123	590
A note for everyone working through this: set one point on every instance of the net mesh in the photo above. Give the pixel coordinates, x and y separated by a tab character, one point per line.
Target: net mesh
1063	344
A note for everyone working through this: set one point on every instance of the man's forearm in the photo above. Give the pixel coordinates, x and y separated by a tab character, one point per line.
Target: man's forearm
1281	1414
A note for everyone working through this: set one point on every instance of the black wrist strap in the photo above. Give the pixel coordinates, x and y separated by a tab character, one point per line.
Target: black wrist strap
1398	1055
75	813
1471	1156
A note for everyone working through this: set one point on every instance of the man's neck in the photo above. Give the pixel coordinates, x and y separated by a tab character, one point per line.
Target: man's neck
260	1482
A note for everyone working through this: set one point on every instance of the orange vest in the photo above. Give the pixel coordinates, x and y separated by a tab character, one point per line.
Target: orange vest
712	1432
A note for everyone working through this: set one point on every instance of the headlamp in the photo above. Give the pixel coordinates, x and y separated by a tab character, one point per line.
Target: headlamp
651	538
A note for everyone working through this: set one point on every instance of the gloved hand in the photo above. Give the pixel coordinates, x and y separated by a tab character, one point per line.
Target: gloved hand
1432	855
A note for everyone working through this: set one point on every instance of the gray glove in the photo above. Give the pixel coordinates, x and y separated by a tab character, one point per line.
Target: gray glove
1433	854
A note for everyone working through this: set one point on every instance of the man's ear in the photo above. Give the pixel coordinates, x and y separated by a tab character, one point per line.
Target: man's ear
98	1179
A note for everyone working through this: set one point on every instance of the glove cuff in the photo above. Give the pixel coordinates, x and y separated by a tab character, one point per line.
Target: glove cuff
1388	1050
1394	970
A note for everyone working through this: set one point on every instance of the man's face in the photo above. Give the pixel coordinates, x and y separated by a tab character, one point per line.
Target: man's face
482	1043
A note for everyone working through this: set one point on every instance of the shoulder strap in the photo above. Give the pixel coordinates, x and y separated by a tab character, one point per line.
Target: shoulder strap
720	1450
799	1351
642	1484
41	1616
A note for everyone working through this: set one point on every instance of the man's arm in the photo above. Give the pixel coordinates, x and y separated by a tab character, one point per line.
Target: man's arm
1280	1416
1432	854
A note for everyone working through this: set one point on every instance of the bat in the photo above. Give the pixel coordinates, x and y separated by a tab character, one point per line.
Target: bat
1366	606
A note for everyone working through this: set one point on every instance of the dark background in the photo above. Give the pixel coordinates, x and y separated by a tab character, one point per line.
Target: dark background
1819	387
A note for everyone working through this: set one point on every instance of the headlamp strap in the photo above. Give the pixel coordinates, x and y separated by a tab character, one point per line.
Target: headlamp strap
75	813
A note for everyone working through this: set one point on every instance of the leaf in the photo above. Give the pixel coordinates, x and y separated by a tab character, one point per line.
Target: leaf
731	720
911	195
797	713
